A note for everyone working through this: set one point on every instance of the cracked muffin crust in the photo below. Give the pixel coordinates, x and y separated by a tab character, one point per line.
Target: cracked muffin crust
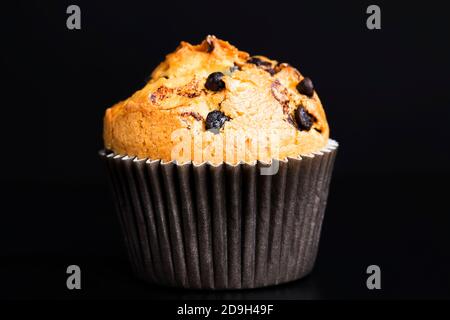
230	104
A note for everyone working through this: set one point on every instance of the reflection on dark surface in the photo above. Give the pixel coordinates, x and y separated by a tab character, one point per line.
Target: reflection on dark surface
304	289
112	278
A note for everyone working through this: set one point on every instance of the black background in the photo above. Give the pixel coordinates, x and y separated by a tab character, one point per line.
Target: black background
387	101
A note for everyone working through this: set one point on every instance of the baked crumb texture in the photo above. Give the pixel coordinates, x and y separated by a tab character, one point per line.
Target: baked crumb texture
266	109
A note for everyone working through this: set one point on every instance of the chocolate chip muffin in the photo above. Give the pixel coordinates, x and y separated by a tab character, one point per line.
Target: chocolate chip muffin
187	157
213	90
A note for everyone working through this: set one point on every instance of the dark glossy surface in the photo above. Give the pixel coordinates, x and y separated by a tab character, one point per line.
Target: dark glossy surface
384	220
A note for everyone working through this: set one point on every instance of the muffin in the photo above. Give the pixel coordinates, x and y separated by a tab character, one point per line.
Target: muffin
220	168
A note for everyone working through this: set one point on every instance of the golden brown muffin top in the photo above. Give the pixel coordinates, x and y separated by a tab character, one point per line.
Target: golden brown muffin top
212	102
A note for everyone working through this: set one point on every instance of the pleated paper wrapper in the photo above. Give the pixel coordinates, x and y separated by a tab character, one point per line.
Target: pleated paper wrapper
221	227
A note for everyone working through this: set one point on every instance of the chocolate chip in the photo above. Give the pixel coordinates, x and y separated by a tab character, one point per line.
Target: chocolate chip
214	82
215	120
303	118
259	62
306	87
210	44
290	120
265	65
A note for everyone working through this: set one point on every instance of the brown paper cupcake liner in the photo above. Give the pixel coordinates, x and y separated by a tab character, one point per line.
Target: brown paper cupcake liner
221	227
